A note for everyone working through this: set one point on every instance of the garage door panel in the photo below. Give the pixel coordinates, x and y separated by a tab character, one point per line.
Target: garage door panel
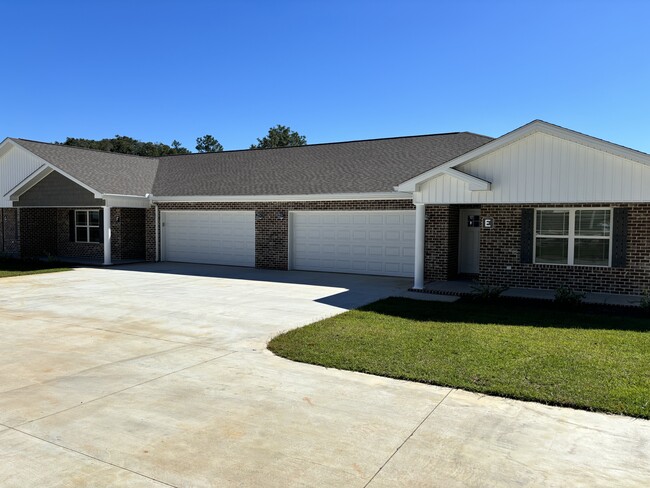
375	251
360	219
209	237
410	219
394	220
344	219
393	251
373	242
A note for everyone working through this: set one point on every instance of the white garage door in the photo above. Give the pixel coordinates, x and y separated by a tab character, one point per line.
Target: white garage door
378	243
209	237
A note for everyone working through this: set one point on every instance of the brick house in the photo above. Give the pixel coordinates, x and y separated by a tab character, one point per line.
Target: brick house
539	207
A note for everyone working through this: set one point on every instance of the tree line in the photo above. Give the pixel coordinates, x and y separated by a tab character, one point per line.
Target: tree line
278	136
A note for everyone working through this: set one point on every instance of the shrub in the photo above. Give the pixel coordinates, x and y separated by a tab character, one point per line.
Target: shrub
568	297
487	291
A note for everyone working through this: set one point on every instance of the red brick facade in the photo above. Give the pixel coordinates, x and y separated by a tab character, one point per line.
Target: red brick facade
271	223
43	231
127	233
38	232
441	242
9	232
46	232
501	246
70	249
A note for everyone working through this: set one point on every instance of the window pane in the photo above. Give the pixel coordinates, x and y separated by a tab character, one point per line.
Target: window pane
553	222
82	234
592	222
551	251
94	217
594	252
81	217
94	234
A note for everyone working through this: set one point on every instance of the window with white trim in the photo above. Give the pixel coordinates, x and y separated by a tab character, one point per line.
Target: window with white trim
86	225
576	236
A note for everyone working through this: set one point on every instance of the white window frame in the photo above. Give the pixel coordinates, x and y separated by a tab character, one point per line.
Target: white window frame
87	226
571	238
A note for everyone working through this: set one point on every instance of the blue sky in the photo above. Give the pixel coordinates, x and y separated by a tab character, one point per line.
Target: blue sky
332	70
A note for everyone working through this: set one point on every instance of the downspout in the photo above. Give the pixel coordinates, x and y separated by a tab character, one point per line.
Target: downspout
107	236
420	223
18	243
157	256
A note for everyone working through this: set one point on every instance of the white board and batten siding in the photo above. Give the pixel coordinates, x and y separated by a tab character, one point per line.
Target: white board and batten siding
209	237
543	168
359	242
16	165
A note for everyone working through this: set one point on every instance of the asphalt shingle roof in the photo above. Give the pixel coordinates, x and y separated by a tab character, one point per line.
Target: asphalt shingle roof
106	172
346	167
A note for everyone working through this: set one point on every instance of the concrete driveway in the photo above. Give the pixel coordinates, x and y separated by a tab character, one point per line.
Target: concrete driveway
158	375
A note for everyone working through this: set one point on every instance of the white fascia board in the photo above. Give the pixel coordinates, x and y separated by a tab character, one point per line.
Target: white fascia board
37	176
96	193
6	145
287	198
114	200
119	195
520	133
474	183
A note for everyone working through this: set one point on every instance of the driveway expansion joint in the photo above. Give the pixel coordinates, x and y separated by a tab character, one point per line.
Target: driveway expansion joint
15	429
409	436
127	388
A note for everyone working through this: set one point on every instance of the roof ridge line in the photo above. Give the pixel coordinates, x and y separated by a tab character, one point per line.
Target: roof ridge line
334	143
85	148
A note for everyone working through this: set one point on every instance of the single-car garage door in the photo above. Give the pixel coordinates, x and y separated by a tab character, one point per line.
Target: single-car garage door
378	243
209	237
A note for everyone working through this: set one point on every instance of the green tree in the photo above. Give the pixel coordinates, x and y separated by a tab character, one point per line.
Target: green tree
207	143
280	136
127	145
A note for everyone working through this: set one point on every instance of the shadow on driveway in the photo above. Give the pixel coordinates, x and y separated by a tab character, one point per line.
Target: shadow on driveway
345	290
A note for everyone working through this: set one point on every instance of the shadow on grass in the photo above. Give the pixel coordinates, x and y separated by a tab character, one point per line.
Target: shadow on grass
516	312
14	264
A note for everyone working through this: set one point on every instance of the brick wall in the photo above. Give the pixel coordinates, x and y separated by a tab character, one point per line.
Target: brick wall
70	249
441	242
38	236
9	232
47	231
150	234
271	223
127	233
500	248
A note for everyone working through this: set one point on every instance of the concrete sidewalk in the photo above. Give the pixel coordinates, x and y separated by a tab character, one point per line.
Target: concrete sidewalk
158	375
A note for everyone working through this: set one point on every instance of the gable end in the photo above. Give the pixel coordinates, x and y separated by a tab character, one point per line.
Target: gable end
55	190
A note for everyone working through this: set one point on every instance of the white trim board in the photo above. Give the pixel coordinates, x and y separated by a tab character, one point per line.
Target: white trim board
285	198
32	180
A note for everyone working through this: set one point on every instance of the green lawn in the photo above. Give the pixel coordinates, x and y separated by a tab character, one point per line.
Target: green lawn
594	360
18	267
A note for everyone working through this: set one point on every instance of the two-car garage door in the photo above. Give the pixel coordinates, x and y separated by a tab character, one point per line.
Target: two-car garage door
374	242
363	242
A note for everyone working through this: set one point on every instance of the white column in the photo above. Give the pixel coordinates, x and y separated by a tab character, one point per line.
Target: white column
107	236
419	246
